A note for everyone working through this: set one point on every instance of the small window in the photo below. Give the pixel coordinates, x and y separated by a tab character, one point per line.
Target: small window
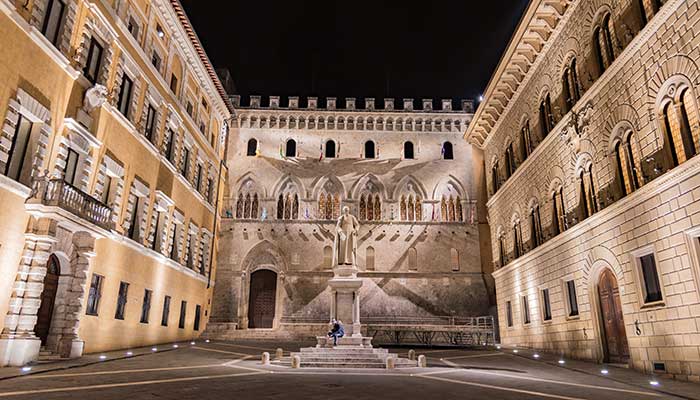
121	300
71	168
135	222
54	21
198	178
408	152
454	259
18	167
525	310
94	61
197	316
183	314
170	146
369	149
369	259
327	256
291	148
651	287
124	102
107	189
166	311
133	28
412	259
150	123
94	295
330	149
572	300
447	153
546	306
509	314
173	83
146	306
161	217
252	148
173	250
155	60
189	108
185	165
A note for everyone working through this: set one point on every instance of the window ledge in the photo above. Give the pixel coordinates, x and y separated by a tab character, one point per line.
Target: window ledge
653	305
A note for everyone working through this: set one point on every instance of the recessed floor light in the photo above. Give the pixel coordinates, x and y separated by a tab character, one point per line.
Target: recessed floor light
536	356
26	369
515	351
562	362
102	357
654	383
129	353
175	346
154	349
207	341
192	343
604	371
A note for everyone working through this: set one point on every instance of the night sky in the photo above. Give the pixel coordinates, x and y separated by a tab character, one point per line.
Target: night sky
432	49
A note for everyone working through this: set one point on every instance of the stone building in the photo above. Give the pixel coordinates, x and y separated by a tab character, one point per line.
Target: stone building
112	139
406	173
590	133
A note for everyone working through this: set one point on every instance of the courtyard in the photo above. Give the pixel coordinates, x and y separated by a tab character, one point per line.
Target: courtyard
213	370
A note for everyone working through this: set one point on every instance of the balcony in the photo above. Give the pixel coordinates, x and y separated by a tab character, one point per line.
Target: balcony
58	193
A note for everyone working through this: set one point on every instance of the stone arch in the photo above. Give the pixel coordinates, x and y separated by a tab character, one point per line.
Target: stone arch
679	64
407	180
583	160
361	184
555	178
283	183
328	182
597	9
450	182
246	183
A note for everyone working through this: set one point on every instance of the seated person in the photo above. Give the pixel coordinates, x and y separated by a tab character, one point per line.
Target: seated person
337	331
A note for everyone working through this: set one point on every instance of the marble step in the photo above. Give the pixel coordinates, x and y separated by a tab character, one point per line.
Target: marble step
314	350
378	364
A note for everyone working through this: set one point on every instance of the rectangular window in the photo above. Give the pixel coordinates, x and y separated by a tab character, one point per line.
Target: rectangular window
71	168
135	223
133	28
53	21
572	299
183	312
185	166
155	60
650	278
107	189
170	146
124	102
173	83
160	227
526	310
146	306
210	189
198	178
509	314
173	243
94	294
121	300
166	311
191	247
197	316
546	306
18	152
150	123
94	61
189	108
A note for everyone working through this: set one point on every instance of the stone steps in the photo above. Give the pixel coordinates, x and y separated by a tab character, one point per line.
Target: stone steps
347	357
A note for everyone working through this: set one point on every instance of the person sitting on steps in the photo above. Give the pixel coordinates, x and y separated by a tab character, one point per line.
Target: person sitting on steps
337	331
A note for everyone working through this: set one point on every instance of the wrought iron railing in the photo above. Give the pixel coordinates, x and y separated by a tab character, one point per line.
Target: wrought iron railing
68	197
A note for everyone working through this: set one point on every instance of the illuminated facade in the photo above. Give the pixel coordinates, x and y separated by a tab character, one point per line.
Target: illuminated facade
113	133
590	133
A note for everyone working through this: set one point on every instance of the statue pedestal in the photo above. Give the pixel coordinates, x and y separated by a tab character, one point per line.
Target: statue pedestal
345	298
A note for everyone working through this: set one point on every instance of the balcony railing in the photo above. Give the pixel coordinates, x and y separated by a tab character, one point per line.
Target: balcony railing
61	194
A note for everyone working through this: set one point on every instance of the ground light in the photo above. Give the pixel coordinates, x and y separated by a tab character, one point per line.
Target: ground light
175	346
515	351
129	353
206	341
654	383
604	371
103	357
562	362
498	347
154	349
26	369
192	343
536	355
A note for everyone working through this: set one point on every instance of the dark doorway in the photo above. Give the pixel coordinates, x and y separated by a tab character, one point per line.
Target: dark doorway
261	304
48	298
614	335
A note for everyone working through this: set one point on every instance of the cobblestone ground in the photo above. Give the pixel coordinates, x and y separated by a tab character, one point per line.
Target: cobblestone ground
223	370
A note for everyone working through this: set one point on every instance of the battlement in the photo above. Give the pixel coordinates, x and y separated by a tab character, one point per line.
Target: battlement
351	104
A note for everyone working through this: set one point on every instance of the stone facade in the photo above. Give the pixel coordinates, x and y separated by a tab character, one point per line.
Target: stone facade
111	141
413	188
597	181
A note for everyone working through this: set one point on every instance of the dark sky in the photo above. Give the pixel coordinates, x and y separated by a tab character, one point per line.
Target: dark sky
357	48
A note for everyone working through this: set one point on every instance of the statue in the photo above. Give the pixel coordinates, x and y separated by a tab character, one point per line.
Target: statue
95	97
345	242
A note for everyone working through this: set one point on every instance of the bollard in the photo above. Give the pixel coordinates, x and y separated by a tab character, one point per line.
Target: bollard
422	361
390	363
296	362
412	355
265	358
279	353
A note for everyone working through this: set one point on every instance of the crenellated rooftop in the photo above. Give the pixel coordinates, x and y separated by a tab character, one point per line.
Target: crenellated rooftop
352	104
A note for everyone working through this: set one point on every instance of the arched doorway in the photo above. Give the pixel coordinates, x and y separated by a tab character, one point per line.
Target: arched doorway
614	337
48	298
261	303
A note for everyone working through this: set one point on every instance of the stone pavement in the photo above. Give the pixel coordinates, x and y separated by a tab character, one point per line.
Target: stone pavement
233	370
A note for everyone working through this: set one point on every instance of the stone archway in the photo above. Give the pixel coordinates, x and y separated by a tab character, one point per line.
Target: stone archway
613	334
48	299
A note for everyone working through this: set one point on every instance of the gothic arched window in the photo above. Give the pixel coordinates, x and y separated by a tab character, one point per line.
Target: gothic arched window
363	207
458	210
447	151
377	208
402	207
330	149
525	141
252	147
246	207
280	207
602	40
370	208
570	84
419	209
239	207
254	207
546	115
410	210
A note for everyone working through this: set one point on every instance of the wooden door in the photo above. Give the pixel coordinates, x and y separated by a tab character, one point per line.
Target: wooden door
48	298
261	303
614	335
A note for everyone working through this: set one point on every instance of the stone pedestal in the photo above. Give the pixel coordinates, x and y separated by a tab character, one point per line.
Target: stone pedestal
345	298
18	352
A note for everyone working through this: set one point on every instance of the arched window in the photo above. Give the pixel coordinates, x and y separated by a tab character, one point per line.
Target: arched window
535	226
369	149
451	209
501	250
525	141
447	153
369	258
622	169
602	39
290	148
402	207
558	211
254	207
510	161
327	256
408	153
239	207
412	259
458	210
570	84
246	207
330	149
252	148
588	196
411	211
494	177
546	118
680	117
288	206
517	239
686	103
370	208
419	209
280	207
363	207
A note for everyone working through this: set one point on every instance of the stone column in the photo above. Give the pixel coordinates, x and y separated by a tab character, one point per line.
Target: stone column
334	312
356	317
18	343
70	345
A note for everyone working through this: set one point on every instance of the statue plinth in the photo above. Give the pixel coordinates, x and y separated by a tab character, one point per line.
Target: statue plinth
345	298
